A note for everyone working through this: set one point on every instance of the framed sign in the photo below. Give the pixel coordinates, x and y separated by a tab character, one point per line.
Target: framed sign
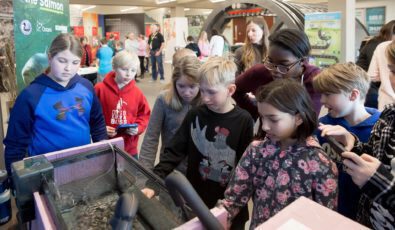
375	19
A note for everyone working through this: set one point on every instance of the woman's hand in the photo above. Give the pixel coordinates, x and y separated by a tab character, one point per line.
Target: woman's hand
111	132
339	133
361	168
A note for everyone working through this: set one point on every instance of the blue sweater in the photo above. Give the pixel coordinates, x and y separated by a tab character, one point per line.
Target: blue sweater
349	193
48	117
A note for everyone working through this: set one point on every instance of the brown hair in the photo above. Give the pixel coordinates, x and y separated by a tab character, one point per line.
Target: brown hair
64	42
187	66
342	77
390	53
387	31
289	96
179	54
248	57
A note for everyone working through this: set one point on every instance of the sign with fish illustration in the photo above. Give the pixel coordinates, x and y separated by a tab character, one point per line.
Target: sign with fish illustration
36	23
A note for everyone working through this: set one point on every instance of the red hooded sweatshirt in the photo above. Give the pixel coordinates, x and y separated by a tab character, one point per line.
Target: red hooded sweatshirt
123	106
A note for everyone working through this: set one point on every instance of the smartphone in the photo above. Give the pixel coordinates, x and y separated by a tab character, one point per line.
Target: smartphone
336	147
123	127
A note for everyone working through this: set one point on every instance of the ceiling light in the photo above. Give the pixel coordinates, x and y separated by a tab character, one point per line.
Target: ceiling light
214	1
187	9
129	9
88	8
163	1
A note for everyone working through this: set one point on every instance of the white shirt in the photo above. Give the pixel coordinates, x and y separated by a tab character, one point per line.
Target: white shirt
216	45
131	45
378	71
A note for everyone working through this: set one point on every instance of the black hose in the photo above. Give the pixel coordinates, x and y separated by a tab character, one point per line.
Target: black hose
180	189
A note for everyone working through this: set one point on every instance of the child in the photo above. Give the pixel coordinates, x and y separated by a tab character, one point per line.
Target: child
123	102
193	46
213	136
371	211
170	109
287	163
343	89
103	59
58	110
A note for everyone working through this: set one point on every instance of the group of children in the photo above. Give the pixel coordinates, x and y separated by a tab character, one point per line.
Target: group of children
210	139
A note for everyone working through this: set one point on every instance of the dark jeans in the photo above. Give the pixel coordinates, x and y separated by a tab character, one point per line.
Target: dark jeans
142	67
157	65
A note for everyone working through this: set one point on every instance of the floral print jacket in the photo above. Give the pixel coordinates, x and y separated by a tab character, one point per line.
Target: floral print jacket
274	178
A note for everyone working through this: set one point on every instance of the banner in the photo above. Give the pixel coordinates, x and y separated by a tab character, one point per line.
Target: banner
36	24
324	32
375	18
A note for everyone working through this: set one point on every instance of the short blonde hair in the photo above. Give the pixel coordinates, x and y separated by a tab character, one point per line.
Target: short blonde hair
342	78
179	54
126	59
218	70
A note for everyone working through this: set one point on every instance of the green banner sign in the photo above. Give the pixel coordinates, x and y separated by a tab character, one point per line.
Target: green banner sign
36	23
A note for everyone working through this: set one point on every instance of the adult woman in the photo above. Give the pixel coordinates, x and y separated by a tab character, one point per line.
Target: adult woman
255	48
386	33
204	45
86	59
287	58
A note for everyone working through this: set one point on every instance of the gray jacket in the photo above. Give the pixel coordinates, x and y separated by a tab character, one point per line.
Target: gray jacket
164	122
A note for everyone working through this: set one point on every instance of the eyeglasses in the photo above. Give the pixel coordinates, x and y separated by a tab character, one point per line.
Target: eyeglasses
283	69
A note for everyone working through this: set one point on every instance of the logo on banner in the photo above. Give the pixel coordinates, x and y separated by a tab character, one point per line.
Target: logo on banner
26	27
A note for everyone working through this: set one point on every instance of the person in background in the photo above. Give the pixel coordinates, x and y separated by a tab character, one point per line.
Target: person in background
58	110
123	102
170	108
86	59
216	44
110	42
343	89
288	163
256	44
378	69
287	58
204	45
132	44
193	46
156	44
386	33
141	53
118	46
103	60
213	137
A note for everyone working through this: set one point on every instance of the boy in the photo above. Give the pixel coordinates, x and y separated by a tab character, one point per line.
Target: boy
193	46
343	89
123	102
213	136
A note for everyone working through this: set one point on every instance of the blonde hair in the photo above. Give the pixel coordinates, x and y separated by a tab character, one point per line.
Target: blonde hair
248	57
390	52
340	78
203	39
187	66
125	58
218	70
179	54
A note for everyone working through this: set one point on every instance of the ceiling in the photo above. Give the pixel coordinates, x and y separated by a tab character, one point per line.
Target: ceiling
114	7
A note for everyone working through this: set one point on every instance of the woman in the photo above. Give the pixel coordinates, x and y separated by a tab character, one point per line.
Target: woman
255	48
86	59
204	45
287	58
386	33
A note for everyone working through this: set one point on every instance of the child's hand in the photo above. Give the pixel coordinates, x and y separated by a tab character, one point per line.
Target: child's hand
361	168
132	131
111	131
148	192
339	133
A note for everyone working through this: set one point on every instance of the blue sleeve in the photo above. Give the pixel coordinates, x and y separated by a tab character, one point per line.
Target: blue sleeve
97	122
20	126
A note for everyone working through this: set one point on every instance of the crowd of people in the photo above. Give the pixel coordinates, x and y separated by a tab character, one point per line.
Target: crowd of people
205	119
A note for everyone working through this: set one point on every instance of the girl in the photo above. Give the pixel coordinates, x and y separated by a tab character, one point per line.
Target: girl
287	58
204	45
58	110
123	102
287	163
255	48
86	59
171	107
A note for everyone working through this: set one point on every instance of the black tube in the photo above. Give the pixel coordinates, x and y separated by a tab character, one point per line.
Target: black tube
180	189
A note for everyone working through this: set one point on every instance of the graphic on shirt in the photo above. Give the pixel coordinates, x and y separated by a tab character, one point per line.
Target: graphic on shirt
118	115
62	111
331	152
219	158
